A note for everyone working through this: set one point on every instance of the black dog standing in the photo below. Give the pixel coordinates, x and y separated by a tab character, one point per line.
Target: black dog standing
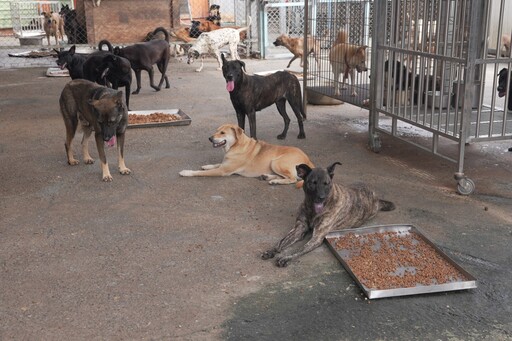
503	79
253	93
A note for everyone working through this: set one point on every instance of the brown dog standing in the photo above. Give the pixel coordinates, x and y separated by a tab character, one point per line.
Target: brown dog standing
99	109
344	59
53	26
296	47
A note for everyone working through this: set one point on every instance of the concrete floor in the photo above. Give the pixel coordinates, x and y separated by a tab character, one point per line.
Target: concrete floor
153	256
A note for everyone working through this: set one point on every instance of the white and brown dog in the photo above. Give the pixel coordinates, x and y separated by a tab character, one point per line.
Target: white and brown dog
213	41
344	59
505	45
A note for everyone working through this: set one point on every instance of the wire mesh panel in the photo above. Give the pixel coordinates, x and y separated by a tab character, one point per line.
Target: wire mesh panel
280	18
343	31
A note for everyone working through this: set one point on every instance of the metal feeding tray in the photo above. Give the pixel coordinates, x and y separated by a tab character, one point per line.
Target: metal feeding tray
396	260
185	119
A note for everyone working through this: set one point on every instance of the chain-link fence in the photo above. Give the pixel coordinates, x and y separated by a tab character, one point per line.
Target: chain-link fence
31	30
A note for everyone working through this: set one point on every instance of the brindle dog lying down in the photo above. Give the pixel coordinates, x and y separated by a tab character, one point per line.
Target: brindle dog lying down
327	207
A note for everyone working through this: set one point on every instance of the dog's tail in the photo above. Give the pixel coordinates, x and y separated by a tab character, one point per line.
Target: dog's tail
163	30
107	43
385	205
342	37
241	29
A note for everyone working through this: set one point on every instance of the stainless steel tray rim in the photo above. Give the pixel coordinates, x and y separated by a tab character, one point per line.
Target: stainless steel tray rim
470	283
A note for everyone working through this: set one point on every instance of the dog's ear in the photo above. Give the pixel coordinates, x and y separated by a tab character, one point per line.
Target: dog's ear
330	169
224	60
238	131
242	64
303	171
72	50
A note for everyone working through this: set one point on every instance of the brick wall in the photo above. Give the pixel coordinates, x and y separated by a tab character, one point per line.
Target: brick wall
125	21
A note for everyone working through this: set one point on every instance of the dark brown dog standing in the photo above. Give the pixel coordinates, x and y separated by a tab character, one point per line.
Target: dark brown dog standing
296	46
326	207
143	56
253	93
99	109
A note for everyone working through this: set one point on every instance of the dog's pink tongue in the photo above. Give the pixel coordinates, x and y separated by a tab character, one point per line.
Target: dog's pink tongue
318	208
111	142
230	86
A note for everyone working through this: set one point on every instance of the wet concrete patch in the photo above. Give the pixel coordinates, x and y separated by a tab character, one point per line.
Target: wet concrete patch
331	307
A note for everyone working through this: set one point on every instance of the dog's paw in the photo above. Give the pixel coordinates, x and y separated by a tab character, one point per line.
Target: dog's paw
281	136
186	172
268	254
283	262
89	161
73	162
301	136
125	171
107	178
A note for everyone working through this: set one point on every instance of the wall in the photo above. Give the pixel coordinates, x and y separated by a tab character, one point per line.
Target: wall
125	21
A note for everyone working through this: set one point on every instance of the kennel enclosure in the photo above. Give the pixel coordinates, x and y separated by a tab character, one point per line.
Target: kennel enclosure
432	65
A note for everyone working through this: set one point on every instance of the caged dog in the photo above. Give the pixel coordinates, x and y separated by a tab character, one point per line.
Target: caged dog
248	157
213	41
74	28
296	47
143	56
344	59
96	109
401	80
327	207
253	93
503	79
53	26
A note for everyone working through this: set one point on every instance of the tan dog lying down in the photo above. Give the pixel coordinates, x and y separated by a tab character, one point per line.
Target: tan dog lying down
248	157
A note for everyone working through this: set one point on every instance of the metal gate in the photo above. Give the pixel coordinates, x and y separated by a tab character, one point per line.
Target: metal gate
434	66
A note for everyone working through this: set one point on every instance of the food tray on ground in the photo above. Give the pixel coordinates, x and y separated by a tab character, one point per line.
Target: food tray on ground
396	260
57	72
185	119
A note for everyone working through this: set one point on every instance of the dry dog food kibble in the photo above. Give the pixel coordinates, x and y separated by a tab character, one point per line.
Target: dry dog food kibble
391	260
157	117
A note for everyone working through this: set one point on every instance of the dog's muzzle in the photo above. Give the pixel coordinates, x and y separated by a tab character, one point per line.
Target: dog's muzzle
217	144
319	207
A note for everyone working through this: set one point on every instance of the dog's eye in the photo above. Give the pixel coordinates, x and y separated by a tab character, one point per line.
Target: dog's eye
222	133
